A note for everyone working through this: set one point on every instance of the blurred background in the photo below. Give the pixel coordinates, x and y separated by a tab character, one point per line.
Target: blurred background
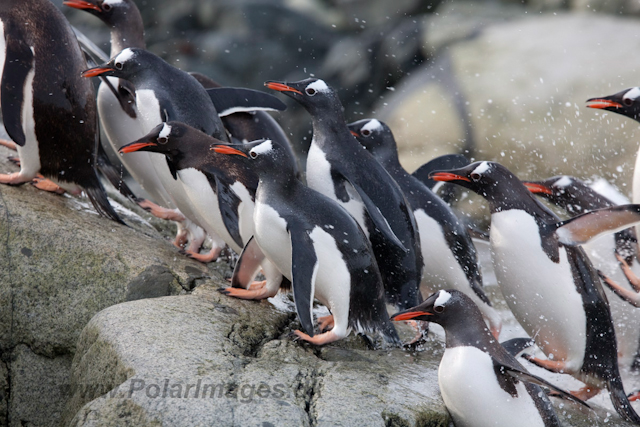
495	79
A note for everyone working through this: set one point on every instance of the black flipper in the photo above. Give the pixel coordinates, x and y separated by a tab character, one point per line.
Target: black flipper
229	100
375	215
515	346
445	162
18	63
620	400
96	54
304	267
228	203
97	195
523	376
582	228
248	265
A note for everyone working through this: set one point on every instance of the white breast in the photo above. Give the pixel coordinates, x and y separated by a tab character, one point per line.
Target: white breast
441	269
272	237
204	202
540	293
30	153
319	178
245	211
471	392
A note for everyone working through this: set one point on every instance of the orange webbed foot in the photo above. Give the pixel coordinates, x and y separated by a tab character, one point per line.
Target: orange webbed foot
325	322
319	339
210	256
44	184
256	294
9	144
13	178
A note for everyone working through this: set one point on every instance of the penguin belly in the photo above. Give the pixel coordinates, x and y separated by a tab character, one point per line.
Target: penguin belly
541	294
441	268
626	317
245	210
29	154
319	178
121	129
205	205
273	238
473	396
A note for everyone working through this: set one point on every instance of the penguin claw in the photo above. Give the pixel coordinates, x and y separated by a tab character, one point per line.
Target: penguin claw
223	291
15	160
325	322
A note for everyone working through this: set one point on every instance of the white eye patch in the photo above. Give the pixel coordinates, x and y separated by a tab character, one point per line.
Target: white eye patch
373	125
165	132
563	182
124	56
443	298
632	94
265	147
318	86
482	168
112	2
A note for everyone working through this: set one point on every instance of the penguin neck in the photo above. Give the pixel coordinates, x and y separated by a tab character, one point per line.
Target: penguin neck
128	33
280	186
472	332
328	128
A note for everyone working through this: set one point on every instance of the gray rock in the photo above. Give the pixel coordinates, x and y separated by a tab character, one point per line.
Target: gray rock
4	394
521	87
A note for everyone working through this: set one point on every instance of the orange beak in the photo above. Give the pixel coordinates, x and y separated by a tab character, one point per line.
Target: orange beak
131	148
79	4
281	87
602	103
94	72
537	188
225	149
408	315
356	134
445	176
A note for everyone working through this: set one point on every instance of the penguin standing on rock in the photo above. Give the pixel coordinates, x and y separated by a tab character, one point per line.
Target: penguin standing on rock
341	169
480	382
48	109
548	280
450	259
312	242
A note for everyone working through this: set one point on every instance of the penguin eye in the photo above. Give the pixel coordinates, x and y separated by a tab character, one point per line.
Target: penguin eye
475	176
106	7
253	154
119	65
365	132
438	308
310	91
163	140
627	101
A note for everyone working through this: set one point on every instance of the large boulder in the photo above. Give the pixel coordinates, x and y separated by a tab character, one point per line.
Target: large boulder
519	89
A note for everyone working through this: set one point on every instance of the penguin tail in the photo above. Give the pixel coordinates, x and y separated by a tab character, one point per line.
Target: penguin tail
111	172
620	400
100	201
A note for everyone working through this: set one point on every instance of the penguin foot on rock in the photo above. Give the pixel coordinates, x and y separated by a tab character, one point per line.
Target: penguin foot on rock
210	256
14	178
160	212
627	295
320	339
586	392
549	365
9	144
257	285
44	184
326	322
255	294
422	329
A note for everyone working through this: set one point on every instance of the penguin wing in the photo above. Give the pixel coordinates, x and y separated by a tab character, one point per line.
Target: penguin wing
304	268
582	228
17	65
441	163
229	100
248	265
90	48
520	375
228	203
516	345
376	216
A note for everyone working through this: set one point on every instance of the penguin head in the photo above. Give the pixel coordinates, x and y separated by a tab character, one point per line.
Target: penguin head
501	188
313	94
127	64
166	138
442	307
568	192
111	12
376	137
264	156
626	102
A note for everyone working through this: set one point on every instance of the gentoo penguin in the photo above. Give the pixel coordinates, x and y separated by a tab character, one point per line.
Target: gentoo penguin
480	382
450	259
576	197
127	30
339	168
220	190
48	109
315	244
447	192
627	103
548	280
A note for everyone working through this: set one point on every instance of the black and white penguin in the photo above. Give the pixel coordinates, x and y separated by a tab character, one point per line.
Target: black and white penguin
213	182
480	382
605	252
548	280
341	169
315	244
450	259
48	109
